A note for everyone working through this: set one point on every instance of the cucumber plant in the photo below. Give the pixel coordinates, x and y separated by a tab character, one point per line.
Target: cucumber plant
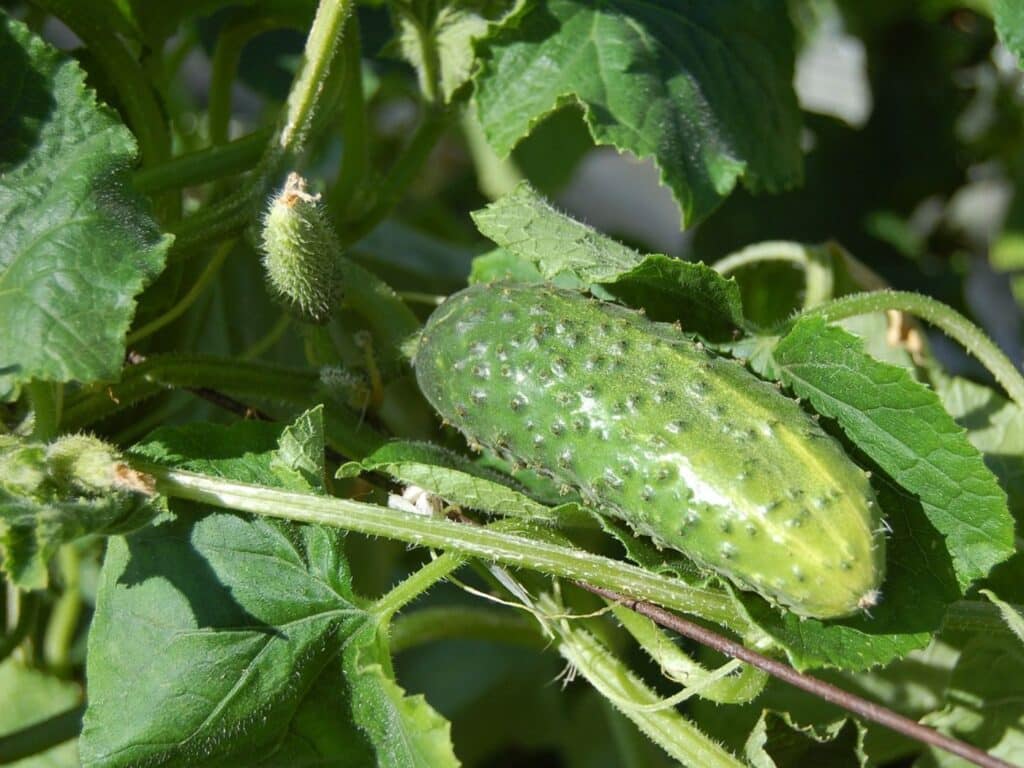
278	488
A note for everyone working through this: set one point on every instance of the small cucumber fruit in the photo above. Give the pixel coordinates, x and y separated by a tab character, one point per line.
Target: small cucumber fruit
301	253
687	447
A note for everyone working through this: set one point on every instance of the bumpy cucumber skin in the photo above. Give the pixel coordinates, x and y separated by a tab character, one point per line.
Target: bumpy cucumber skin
688	448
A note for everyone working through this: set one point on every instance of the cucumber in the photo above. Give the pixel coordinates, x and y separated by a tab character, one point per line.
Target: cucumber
686	447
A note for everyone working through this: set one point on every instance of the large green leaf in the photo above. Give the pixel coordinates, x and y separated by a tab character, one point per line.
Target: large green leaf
704	89
219	640
76	245
902	426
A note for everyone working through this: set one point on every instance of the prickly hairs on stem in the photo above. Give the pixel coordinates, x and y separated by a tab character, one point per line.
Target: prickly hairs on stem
301	253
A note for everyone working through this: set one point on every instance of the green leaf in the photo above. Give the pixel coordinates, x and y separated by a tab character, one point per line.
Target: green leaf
456	479
995	426
778	742
525	224
671	290
31	696
902	426
1009	15
300	455
704	89
50	495
219	639
500	264
406	729
76	244
983	705
451	32
528	229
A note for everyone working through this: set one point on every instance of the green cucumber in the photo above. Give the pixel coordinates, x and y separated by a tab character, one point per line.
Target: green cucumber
687	447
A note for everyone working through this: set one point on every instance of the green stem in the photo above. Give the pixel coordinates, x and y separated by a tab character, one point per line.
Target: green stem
215	222
313	91
679	737
428	625
268	340
355	131
416	584
490	543
975	616
197	289
28	612
231	41
315	77
400	175
278	390
142	381
46	399
204	165
63	623
41	736
951	322
815	261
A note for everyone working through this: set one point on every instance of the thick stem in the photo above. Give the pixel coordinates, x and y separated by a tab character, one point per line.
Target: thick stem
490	543
613	679
400	175
204	165
312	81
63	624
228	52
951	322
46	409
417	583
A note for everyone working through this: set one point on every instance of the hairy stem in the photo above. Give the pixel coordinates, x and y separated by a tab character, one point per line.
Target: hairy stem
417	583
314	79
951	322
490	543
